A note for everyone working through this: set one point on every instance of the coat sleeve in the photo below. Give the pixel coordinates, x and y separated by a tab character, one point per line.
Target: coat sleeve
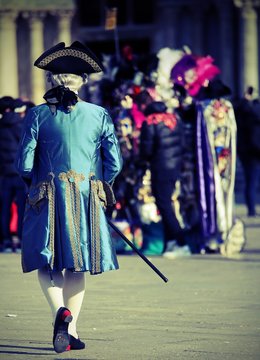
147	141
111	153
27	146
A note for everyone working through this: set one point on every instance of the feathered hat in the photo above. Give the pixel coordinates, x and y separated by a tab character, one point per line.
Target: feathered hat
203	69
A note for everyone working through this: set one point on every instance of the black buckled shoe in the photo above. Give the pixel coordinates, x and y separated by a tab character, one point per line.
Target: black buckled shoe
76	344
61	338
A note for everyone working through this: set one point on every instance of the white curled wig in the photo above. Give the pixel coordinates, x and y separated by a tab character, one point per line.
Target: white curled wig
72	81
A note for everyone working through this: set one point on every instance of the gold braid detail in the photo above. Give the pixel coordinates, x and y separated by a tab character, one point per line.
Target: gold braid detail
95	227
77	212
72	198
70	212
51	198
69	52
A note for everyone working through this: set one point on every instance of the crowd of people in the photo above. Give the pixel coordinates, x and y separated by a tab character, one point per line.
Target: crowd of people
179	132
12	189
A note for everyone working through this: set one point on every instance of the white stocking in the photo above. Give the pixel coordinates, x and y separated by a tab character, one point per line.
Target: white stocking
73	294
53	294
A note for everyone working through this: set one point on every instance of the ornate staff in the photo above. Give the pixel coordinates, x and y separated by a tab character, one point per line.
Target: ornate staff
148	262
101	192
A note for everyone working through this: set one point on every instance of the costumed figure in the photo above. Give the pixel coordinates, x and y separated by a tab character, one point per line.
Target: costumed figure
68	151
215	152
125	213
137	212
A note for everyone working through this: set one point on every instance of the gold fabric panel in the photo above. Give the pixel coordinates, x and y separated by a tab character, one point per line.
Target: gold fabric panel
72	199
95	190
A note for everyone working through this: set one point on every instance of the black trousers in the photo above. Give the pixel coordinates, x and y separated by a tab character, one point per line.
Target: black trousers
252	178
163	187
13	189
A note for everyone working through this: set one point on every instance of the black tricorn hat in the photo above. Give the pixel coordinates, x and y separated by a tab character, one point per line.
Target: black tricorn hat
215	89
75	59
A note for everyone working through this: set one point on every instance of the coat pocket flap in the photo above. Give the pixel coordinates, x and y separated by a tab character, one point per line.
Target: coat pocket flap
37	193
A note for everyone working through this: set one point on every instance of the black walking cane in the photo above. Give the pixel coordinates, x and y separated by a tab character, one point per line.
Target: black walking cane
148	262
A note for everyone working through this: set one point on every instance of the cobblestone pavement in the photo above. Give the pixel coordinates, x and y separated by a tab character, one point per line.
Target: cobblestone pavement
209	309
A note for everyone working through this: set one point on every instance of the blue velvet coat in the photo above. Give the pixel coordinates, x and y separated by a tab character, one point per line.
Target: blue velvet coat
57	153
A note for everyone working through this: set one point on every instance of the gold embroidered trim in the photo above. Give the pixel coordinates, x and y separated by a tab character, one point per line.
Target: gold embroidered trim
95	227
69	52
51	198
72	199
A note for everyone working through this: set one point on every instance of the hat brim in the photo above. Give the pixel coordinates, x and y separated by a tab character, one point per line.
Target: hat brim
76	59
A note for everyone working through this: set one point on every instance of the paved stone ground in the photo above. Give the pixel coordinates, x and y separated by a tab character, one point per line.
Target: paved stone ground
209	309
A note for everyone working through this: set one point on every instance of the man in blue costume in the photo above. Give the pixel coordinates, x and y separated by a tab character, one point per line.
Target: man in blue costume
68	150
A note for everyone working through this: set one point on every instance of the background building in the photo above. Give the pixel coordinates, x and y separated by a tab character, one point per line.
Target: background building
226	29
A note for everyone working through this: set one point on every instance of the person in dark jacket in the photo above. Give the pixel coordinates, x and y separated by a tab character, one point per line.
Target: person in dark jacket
12	187
161	147
247	113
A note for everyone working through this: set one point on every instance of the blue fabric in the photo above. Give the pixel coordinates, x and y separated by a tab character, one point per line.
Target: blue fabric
67	145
